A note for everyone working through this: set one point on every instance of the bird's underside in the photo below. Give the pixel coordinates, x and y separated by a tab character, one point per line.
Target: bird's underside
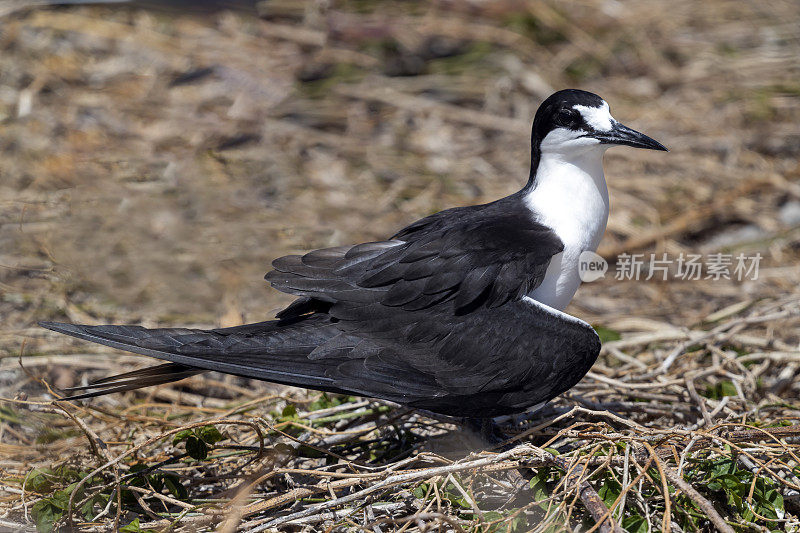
435	318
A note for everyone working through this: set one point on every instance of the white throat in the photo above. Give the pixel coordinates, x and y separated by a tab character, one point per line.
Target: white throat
571	197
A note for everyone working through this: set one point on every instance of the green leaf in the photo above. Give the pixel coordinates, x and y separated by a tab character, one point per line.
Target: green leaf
607	334
60	498
723	467
45	514
455	498
196	448
87	509
502	522
325	402
420	491
174	486
776	500
290	411
634	524
210	434
610	491
181	436
767	501
730	482
39	480
134	527
140	480
517	524
156	482
538	484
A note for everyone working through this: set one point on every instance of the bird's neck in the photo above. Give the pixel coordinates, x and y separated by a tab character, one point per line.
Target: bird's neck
568	192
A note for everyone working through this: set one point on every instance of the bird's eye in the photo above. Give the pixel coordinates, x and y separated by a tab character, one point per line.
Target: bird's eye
565	117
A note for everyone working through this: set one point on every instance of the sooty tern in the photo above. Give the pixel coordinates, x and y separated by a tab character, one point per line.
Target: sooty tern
459	313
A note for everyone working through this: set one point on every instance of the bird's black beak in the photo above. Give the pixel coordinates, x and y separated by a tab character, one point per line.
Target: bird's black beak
621	134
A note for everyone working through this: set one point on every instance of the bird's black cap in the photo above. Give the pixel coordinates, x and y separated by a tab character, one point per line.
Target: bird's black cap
586	114
558	111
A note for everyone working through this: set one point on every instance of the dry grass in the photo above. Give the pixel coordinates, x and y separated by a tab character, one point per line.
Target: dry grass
153	163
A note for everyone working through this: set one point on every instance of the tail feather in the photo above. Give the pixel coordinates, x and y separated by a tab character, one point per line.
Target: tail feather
166	368
145	377
272	351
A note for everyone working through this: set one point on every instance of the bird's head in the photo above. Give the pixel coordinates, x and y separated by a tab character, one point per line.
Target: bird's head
571	121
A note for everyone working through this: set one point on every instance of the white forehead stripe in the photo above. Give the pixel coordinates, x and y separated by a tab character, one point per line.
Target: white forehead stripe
597	117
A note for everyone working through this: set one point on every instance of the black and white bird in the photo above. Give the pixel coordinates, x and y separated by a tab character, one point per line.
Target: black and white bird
459	313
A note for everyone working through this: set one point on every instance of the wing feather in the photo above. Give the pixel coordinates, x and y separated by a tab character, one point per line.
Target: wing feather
451	261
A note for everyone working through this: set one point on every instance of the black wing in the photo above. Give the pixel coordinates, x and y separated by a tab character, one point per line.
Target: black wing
453	259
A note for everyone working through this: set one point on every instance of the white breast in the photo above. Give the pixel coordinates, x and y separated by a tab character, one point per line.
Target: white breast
571	197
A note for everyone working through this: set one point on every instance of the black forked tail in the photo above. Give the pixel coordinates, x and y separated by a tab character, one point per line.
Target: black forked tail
272	351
